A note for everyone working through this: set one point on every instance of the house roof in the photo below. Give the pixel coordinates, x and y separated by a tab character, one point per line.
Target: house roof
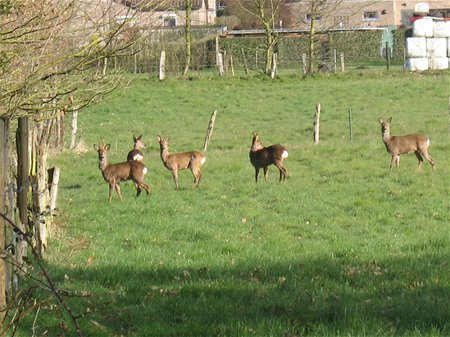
159	5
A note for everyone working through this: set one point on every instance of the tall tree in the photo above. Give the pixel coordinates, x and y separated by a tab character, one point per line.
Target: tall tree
260	14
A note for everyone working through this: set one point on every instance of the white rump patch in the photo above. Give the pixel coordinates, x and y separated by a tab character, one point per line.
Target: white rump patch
284	154
145	170
203	160
428	141
138	157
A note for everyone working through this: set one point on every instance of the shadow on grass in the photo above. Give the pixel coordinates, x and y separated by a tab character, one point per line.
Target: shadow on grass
322	297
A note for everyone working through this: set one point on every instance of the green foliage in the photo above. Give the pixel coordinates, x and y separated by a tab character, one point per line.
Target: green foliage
343	248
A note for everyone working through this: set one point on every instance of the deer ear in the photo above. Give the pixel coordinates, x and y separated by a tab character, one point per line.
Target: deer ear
95	147
107	147
380	120
389	120
140	137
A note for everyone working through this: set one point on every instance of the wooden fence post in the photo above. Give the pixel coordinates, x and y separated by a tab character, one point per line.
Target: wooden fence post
342	62
245	61
274	65
74	128
209	131
54	189
220	60
162	66
232	65
317	124
304	64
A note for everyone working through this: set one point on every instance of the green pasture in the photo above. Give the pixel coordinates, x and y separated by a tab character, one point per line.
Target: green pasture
344	247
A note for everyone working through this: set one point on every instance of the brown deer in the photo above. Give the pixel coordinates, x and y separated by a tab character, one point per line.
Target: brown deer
262	157
115	173
136	153
397	145
179	161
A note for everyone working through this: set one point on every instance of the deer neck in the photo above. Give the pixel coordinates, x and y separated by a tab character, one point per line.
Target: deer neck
257	146
386	135
164	153
103	163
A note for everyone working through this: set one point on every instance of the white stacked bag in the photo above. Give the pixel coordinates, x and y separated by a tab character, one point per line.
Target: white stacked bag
429	47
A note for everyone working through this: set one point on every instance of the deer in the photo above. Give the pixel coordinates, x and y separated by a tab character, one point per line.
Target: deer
397	145
262	157
136	153
115	173
175	162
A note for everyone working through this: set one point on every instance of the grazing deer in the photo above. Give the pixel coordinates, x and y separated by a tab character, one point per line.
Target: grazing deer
115	173
262	157
136	153
179	161
397	145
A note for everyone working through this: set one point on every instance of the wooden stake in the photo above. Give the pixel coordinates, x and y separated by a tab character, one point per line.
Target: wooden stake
317	124
74	128
54	189
220	60
342	63
209	131
162	66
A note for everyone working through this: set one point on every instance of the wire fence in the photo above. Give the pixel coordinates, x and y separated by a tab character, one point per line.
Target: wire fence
338	50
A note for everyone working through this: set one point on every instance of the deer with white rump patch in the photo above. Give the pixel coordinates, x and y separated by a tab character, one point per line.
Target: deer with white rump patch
397	145
115	173
175	162
136	153
262	157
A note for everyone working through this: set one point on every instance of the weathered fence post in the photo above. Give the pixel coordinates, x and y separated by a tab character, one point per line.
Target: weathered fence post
342	62
74	128
317	124
232	65
245	61
274	65
54	188
304	64
162	66
209	131
335	61
220	61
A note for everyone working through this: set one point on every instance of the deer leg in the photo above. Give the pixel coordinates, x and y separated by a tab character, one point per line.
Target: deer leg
266	172
118	191
111	189
395	161
282	171
175	177
197	176
420	159
146	187
256	173
428	157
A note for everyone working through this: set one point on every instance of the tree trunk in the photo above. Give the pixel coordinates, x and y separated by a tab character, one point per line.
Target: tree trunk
311	39
4	165
22	190
188	37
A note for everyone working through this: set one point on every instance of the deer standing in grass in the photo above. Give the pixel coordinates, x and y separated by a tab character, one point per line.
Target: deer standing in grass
262	157
175	162
115	173
136	153
397	145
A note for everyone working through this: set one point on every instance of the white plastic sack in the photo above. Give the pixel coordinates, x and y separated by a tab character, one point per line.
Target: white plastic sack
437	47
441	29
417	64
439	63
423	28
416	47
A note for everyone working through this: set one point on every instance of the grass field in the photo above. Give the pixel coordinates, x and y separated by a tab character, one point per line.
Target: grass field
343	248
